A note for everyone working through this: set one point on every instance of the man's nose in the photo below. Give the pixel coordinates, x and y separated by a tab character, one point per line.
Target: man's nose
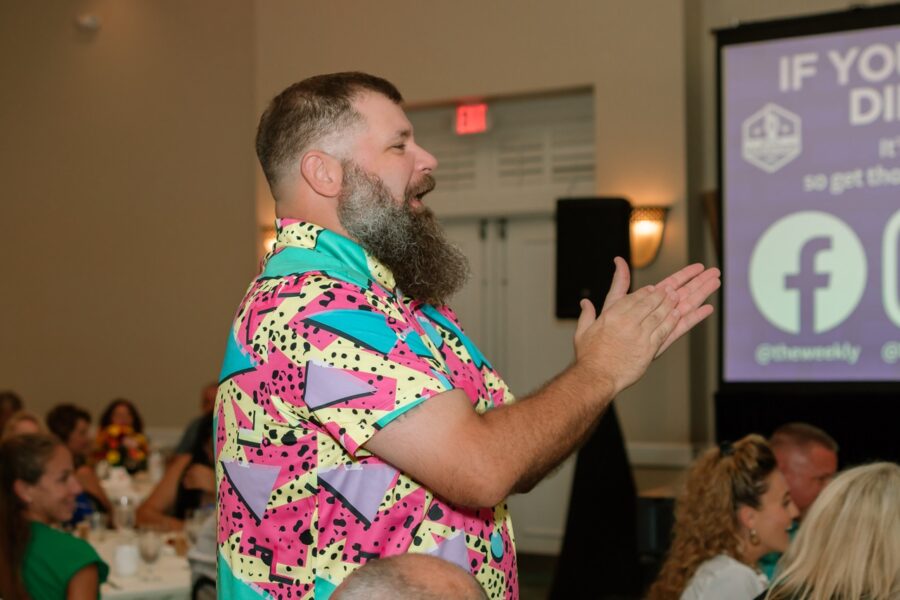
427	161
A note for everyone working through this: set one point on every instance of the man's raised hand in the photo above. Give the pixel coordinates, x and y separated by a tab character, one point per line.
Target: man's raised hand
693	284
619	344
635	328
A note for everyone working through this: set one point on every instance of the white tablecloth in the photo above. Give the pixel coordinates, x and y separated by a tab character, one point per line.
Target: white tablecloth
169	578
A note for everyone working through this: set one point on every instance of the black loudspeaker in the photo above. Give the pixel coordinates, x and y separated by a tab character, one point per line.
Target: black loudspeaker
590	232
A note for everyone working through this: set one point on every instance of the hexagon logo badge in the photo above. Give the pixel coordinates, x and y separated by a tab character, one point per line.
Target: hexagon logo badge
770	138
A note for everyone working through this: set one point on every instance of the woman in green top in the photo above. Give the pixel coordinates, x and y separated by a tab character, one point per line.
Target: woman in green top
37	492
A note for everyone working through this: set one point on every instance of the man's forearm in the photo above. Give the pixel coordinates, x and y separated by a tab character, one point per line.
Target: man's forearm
530	438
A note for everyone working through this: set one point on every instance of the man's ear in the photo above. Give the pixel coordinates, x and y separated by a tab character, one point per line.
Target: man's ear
746	516
322	172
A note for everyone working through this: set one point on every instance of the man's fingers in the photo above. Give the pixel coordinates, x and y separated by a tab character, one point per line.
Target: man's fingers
660	314
682	276
620	282
665	329
699	288
586	318
685	324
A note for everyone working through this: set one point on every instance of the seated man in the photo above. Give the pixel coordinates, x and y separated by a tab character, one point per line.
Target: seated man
409	577
807	457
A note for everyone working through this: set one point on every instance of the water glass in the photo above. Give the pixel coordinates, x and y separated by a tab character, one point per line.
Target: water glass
124	513
150	545
126	560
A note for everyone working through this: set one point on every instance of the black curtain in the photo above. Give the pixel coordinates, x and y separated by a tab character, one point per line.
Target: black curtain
599	558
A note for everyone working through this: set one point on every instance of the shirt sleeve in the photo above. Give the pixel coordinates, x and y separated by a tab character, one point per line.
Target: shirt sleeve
80	555
363	360
55	557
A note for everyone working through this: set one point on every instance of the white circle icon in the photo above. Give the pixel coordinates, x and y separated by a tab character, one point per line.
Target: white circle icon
807	272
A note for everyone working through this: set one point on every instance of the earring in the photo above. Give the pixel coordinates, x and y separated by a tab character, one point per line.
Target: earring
754	537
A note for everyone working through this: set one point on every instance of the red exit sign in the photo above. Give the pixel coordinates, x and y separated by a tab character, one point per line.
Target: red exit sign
471	118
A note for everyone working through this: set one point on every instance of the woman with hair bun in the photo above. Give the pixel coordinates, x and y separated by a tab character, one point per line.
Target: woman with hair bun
734	509
848	546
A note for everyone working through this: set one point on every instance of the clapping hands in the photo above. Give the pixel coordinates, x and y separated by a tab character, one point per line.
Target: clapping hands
635	328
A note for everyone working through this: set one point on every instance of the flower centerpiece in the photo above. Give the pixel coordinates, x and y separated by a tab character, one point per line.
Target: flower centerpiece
122	446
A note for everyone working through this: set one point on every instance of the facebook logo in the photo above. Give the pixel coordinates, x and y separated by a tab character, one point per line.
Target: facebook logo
808	280
807	272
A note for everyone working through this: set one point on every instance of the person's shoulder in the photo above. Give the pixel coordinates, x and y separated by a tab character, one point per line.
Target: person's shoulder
60	542
724	577
56	555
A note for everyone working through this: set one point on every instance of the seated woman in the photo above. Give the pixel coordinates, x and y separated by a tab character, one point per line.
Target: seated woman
72	425
37	493
734	509
120	438
21	422
849	543
188	484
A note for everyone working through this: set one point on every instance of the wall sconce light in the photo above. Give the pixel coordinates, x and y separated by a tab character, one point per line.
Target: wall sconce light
268	238
647	226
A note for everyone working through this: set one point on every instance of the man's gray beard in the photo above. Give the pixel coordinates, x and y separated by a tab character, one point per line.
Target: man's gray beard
409	242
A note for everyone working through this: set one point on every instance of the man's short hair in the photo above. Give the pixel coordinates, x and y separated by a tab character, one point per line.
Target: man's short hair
802	435
62	419
309	112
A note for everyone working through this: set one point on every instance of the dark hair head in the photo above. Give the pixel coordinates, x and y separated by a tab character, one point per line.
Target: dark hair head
62	419
306	113
106	417
9	401
22	458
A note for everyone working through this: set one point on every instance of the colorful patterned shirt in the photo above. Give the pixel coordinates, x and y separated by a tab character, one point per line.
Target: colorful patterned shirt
323	353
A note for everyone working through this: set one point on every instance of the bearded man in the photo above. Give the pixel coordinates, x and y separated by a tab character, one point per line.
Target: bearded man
354	418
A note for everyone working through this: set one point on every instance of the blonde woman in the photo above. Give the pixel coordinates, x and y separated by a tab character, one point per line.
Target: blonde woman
735	508
849	544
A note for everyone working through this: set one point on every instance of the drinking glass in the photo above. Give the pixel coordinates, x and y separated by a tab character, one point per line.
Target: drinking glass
124	513
150	545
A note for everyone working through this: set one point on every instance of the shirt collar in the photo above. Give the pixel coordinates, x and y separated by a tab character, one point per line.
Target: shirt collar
301	234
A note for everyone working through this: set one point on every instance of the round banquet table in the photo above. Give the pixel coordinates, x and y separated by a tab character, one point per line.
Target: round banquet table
169	578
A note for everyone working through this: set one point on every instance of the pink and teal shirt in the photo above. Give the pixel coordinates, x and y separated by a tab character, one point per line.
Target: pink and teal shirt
324	352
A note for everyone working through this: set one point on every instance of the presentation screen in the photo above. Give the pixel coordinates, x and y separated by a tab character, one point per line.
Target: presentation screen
810	187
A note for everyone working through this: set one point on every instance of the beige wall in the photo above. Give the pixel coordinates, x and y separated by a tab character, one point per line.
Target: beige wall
131	204
629	51
127	211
